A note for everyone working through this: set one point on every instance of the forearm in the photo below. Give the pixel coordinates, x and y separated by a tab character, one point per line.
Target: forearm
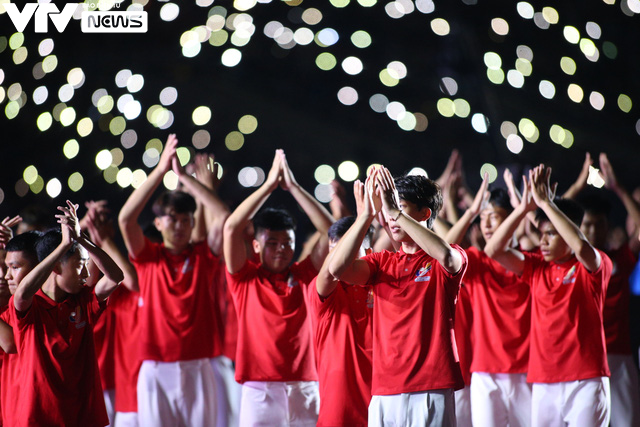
319	216
103	261
205	195
632	207
348	248
459	229
130	276
501	239
7	341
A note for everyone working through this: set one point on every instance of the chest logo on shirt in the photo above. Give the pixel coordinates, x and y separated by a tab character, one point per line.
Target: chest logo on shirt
370	298
570	277
292	282
76	317
423	274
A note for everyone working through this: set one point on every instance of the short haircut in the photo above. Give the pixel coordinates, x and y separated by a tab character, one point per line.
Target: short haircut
500	199
570	208
340	227
49	241
177	201
25	243
596	205
273	219
421	191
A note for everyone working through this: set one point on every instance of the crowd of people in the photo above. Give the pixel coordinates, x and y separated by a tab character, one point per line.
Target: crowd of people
427	306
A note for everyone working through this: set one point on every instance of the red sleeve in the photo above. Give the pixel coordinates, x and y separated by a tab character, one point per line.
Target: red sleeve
248	270
533	262
149	253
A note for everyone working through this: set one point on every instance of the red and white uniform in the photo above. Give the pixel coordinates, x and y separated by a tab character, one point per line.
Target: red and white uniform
343	338
464	342
567	336
177	322
414	345
274	332
104	339
59	382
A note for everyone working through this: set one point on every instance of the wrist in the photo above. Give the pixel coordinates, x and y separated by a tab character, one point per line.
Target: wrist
395	214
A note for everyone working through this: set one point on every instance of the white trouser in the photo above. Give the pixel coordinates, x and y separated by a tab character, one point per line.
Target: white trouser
463	406
229	391
176	394
423	408
500	400
110	403
582	403
126	419
625	395
279	404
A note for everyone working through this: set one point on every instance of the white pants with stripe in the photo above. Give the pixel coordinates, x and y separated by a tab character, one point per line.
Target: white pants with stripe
176	394
424	408
279	404
582	403
500	400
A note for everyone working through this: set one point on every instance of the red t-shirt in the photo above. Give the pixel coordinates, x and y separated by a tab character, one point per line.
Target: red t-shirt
104	338
274	332
59	382
176	316
502	316
567	336
616	304
127	361
414	346
462	327
230	328
343	338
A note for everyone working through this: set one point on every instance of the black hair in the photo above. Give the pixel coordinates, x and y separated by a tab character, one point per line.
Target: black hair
340	227
273	219
421	191
25	243
595	204
499	198
177	201
570	208
49	241
35	216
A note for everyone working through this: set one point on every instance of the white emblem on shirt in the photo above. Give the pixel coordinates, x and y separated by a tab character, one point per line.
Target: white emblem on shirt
421	275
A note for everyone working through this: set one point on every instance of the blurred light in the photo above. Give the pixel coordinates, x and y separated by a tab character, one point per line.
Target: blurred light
596	100
323	192
151	157
378	103
218	38
394	9
480	123
525	10
40	95
524	67
575	93
104	159
231	57
37	186
75	181
461	108
361	39
30	174
45	47
515	143
568	65
117	125
495	76
184	155
448	86
352	65
168	96
440	27
170	181
348	95
105	104
425	6
328	37
421	122
16	40
500	26
571	34
54	187
169	12
593	30
418	172
303	36
540	21
65	93
594	178
20	55
324	174
610	50
445	107
122	77
407	121
22	188
547	89
588	47
527	128
397	69
492	60
312	16
135	83
117	157
76	77
201	115
44	121
248	177
326	61
348	171
633	5
488	168
624	103
50	63
11	110
515	78
138	177
132	110
339	3
110	174
387	78
247	124
234	141
395	109
550	15
84	127
124	177
68	116
70	149
524	52
201	139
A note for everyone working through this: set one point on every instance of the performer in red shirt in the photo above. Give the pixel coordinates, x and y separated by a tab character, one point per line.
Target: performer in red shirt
568	278
274	356
53	313
415	361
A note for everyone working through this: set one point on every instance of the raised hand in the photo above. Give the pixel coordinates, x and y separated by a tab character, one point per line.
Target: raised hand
371	190
69	223
168	153
288	180
607	173
482	196
387	192
275	173
540	186
206	170
514	194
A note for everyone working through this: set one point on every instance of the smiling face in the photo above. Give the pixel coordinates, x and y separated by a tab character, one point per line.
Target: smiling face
552	246
73	272
275	248
490	219
18	266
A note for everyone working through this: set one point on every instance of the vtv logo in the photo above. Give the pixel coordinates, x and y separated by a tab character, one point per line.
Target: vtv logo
42	11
